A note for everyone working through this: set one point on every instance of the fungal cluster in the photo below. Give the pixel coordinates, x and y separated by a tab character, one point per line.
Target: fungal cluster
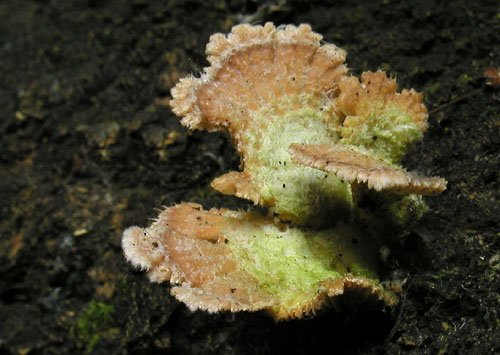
313	140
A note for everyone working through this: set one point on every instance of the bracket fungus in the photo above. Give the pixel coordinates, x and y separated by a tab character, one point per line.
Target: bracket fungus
308	135
356	167
222	259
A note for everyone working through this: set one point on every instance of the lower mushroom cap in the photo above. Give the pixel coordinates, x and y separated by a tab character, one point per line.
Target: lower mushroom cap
224	260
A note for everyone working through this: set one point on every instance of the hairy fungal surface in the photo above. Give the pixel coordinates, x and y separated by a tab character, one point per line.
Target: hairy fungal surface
294	191
225	260
272	87
308	135
356	167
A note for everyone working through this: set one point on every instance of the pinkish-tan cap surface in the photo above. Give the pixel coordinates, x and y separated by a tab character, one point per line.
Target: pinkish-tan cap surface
223	260
356	167
271	87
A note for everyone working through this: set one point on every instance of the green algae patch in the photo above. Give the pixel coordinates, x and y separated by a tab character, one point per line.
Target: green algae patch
299	193
387	133
290	264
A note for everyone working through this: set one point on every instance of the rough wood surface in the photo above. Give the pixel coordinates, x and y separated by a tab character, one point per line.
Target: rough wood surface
89	147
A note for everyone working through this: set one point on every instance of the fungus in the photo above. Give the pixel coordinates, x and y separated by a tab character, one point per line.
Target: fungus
272	87
225	260
308	134
356	167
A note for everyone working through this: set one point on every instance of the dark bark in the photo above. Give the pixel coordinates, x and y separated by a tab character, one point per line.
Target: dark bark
87	150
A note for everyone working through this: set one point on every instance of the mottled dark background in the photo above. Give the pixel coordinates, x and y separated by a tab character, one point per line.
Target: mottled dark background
88	147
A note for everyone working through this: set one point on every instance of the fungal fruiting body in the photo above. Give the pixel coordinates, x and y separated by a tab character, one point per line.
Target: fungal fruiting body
272	87
308	135
222	259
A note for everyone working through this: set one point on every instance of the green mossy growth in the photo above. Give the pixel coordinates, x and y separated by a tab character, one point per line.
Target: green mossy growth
302	194
290	263
309	196
91	322
386	134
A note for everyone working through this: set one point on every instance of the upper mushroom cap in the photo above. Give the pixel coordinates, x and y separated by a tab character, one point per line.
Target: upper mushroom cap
272	87
252	67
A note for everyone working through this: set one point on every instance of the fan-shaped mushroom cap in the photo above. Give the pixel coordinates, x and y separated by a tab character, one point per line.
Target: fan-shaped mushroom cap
271	87
354	166
224	260
252	67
